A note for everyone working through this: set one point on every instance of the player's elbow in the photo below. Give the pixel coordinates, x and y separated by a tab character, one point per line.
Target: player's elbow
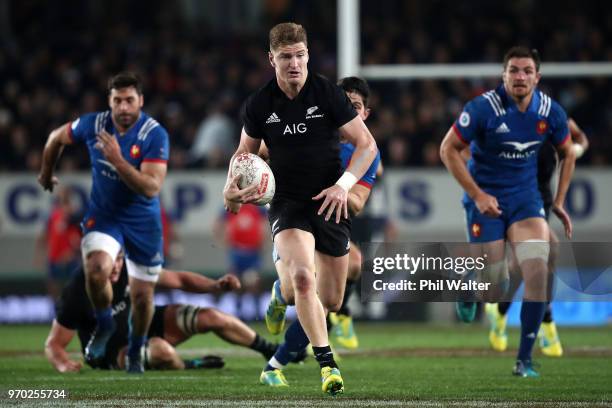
152	190
446	149
371	147
355	207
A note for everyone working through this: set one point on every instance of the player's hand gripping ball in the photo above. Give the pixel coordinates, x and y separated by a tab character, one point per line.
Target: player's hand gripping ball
254	170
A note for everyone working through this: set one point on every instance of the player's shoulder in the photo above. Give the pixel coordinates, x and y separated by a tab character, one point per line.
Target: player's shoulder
489	103
150	127
263	93
549	108
92	120
321	84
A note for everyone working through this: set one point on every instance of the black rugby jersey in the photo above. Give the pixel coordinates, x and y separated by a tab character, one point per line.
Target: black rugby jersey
301	134
547	163
74	310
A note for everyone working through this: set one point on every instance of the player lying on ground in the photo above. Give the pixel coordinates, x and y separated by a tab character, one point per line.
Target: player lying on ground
282	291
171	325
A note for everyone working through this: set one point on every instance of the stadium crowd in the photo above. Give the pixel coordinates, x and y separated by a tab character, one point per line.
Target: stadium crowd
196	74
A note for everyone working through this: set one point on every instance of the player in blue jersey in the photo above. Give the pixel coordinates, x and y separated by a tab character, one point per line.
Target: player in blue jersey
505	129
128	151
550	343
357	91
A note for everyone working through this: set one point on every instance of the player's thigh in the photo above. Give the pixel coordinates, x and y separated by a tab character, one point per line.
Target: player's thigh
331	279
533	228
143	250
180	323
99	249
296	248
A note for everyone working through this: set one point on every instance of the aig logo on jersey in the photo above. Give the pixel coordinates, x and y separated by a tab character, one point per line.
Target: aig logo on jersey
294	129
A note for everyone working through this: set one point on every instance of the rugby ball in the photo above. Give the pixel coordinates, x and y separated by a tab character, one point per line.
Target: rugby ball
254	170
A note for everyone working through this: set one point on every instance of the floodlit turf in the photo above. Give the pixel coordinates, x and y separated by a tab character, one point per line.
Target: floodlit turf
397	365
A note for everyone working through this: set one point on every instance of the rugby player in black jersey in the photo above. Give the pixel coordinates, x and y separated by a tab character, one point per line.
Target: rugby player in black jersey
171	324
300	116
550	344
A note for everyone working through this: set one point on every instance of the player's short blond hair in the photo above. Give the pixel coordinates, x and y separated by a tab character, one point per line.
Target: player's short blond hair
287	34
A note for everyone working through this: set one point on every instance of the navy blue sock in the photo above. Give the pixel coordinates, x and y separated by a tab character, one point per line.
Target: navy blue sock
295	341
104	318
531	318
135	344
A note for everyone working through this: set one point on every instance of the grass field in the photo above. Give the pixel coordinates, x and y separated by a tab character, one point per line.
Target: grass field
396	365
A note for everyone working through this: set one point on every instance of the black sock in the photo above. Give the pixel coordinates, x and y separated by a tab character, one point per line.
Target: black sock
324	356
344	309
548	314
502	307
263	346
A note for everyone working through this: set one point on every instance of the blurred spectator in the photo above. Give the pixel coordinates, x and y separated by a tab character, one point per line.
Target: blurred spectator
195	64
58	245
173	249
216	138
244	235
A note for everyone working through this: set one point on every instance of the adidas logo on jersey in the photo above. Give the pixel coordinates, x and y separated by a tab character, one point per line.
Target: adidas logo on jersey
273	118
503	128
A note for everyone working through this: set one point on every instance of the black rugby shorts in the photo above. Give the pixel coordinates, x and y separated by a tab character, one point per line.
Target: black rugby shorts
330	238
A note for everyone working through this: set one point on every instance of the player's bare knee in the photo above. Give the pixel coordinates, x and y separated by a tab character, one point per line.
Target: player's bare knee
332	305
141	299
303	280
98	266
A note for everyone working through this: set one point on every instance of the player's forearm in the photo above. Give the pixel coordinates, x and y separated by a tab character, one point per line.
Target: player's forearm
362	158
136	180
51	153
195	283
567	170
455	164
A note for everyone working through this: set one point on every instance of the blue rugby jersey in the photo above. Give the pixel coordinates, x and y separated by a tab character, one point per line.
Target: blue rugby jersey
146	141
505	142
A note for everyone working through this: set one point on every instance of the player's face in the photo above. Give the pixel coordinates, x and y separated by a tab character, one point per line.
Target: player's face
520	77
357	101
125	104
290	63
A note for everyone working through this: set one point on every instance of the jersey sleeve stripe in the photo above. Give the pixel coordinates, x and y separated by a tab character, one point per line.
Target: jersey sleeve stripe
459	135
70	135
365	184
494	103
153	160
149	125
564	139
500	105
